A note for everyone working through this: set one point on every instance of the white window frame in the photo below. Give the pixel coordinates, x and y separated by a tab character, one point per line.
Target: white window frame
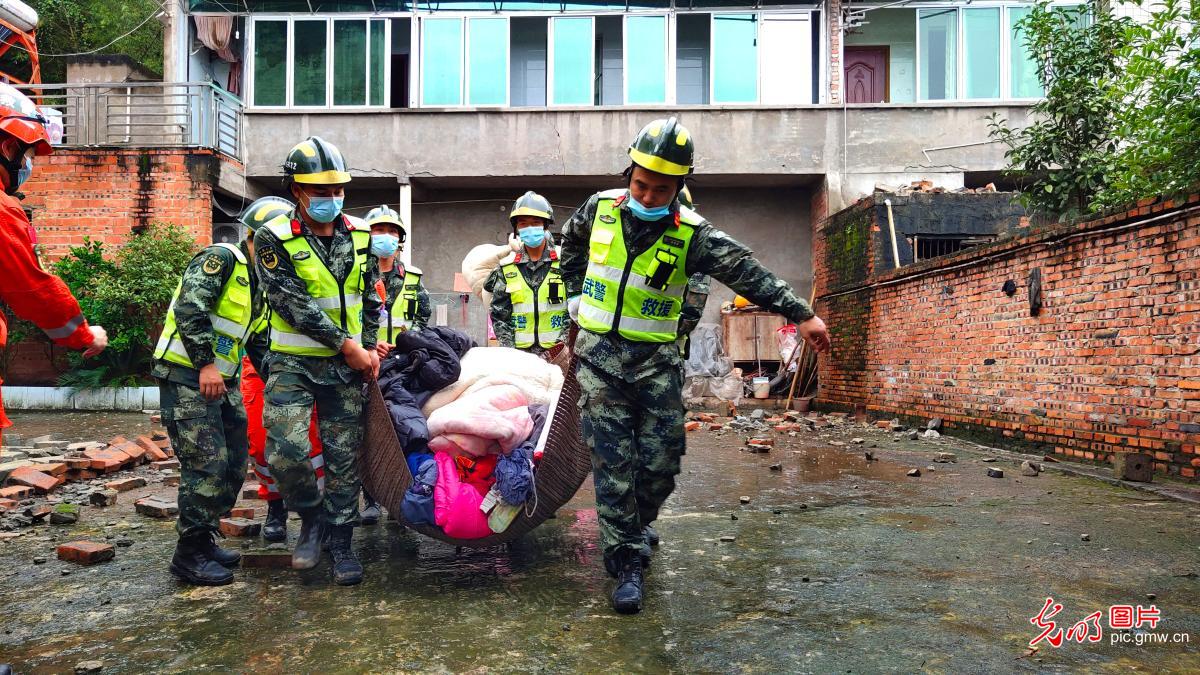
1006	47
821	58
467	62
757	43
669	60
291	20
550	103
462	58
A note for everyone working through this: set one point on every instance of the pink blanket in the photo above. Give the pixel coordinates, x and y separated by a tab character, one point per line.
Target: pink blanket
493	420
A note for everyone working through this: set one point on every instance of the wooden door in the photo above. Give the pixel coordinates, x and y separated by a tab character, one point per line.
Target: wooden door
866	74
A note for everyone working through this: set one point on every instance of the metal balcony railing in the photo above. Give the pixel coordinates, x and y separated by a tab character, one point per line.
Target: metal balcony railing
143	114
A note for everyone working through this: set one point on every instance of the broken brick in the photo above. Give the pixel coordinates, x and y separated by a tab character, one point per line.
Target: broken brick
691	426
156	507
119	440
103	498
716	426
85	552
268	558
156	455
243	512
35	479
704	417
8	505
884	424
133	451
126	484
39	512
239	527
766	442
77	463
52	468
250	492
166	464
157	436
16	492
82	474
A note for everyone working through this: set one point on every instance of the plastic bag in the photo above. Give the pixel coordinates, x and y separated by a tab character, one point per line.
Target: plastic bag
706	355
785	338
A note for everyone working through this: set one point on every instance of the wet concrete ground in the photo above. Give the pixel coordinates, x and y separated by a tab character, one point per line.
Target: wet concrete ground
836	565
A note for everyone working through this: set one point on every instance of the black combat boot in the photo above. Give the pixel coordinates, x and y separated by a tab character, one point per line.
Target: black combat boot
347	570
193	565
626	565
651	536
307	553
275	526
224	556
370	514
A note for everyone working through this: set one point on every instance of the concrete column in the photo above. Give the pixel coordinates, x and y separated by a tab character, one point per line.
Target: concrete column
405	212
175	42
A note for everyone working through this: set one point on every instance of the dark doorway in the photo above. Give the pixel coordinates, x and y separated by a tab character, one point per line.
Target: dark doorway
866	74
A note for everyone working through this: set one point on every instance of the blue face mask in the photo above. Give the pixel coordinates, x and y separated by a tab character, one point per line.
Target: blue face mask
24	172
647	214
532	237
324	209
384	245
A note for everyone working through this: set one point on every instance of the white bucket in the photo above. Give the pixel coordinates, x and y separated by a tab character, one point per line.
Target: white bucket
761	387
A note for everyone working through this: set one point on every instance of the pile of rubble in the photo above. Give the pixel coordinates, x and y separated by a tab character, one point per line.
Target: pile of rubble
48	478
926	186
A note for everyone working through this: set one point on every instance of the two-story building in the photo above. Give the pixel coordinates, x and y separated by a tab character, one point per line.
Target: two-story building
449	110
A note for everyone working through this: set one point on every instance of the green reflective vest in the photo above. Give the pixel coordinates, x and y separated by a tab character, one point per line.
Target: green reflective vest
230	321
398	316
640	297
538	316
340	299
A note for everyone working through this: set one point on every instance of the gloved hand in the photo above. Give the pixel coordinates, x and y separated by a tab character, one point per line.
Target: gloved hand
573	308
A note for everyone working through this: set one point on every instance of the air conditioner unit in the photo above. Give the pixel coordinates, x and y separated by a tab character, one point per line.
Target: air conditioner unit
228	233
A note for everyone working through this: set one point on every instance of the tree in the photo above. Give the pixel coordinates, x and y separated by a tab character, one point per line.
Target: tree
73	26
1159	129
1063	156
128	295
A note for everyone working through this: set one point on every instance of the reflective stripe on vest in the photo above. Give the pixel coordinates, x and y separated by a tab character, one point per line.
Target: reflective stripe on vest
400	314
535	319
230	320
641	297
342	301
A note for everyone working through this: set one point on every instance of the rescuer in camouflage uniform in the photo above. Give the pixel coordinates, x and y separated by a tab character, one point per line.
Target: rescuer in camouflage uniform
626	258
529	303
319	277
197	363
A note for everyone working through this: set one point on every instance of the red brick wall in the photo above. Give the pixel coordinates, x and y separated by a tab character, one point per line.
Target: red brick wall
1112	362
107	193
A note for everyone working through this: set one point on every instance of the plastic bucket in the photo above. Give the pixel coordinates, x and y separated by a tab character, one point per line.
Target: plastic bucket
761	387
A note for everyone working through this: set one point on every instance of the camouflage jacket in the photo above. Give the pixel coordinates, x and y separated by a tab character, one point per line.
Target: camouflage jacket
287	295
393	286
535	272
712	252
199	290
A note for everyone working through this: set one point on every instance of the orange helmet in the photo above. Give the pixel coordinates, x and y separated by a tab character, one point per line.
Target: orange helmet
22	120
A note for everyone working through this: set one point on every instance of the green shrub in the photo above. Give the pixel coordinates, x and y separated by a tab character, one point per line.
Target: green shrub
128	294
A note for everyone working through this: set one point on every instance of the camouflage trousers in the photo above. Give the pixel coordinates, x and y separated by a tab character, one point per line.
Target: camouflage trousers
635	432
210	442
290	398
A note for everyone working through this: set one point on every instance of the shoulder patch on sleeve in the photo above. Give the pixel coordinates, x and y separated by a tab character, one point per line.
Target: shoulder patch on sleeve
212	264
269	258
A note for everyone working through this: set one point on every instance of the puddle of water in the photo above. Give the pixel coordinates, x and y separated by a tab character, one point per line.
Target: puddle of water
77	426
